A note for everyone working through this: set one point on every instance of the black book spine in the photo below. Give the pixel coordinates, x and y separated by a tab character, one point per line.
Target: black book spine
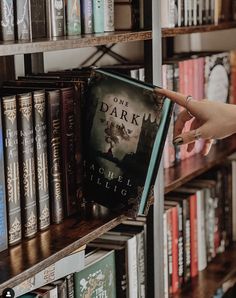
55	11
23	19
187	240
41	158
68	149
121	273
87	16
54	149
7	20
12	169
27	164
38	18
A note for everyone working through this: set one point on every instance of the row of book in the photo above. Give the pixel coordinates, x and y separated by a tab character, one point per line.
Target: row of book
197	225
31	19
113	266
202	75
178	13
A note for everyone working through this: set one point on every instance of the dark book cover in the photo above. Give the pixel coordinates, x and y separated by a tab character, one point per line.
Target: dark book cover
126	127
23	19
54	149
7	20
73	14
55	14
3	198
87	16
68	149
10	133
27	164
38	18
41	158
70	286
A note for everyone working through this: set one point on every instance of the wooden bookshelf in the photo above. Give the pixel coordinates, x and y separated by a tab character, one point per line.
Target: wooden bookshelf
72	42
29	257
210	279
171	32
198	164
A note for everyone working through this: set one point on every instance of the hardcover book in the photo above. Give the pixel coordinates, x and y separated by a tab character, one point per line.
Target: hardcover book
7	20
73	13
98	16
23	19
109	15
87	16
126	127
38	18
55	15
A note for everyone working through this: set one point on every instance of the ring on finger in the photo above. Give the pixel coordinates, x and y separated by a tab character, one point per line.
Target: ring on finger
188	98
197	135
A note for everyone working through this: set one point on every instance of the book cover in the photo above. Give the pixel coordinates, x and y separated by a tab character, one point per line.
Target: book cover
41	158
27	164
10	133
97	278
98	16
7	20
73	14
109	15
38	18
87	16
55	15
3	203
126	127
126	15
23	19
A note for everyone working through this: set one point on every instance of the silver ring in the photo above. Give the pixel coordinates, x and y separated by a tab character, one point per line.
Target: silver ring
197	135
188	98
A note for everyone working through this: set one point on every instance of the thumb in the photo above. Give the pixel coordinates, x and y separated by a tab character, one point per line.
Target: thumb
192	135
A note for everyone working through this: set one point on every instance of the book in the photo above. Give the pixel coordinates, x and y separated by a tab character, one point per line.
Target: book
98	16
7	20
10	132
74	262
73	17
41	158
55	16
126	15
125	135
3	198
37	19
27	164
98	276
23	19
109	16
168	13
87	16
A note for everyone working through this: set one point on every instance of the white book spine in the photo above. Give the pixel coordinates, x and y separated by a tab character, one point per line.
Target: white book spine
134	73
202	260
109	15
142	74
168	13
200	11
132	267
190	12
186	12
179	5
195	10
166	285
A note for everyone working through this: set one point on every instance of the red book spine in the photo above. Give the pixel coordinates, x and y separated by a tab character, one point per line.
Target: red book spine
175	239
193	235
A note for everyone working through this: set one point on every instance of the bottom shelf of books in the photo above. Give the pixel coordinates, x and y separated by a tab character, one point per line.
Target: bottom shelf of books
24	260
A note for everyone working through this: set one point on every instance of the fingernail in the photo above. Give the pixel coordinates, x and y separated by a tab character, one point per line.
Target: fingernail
178	141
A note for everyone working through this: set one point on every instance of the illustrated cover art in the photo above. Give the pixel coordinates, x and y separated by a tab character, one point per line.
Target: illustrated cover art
126	127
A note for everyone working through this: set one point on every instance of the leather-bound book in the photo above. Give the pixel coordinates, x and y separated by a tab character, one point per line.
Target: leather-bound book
87	16
38	18
7	20
54	150
9	114
41	158
22	13
55	15
27	164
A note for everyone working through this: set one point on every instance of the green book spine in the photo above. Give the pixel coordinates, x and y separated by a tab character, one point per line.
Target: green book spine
98	16
73	14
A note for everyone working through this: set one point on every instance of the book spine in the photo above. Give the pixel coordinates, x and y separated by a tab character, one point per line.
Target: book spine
23	19
166	286
73	13
54	141
98	16
132	267
70	286
141	14
12	169
141	264
175	277
3	216
68	149
109	15
41	157
7	20
38	18
195	10
202	259
27	164
169	247
57	17
193	235
121	273
186	12
180	245
187	271
87	16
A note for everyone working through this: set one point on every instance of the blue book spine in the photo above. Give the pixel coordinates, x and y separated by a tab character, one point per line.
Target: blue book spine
3	220
98	16
87	16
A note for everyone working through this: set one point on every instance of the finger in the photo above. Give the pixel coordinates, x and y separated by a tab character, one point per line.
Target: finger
207	147
194	125
182	118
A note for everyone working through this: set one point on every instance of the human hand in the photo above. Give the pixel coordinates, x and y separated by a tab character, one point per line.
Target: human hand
211	120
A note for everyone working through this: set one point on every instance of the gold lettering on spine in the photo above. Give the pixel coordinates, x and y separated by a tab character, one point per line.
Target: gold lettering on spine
42	172
28	177
13	182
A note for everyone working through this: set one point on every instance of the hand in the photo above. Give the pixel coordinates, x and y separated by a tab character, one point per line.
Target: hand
211	120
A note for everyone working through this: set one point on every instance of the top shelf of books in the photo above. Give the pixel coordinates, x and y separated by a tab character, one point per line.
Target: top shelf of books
171	32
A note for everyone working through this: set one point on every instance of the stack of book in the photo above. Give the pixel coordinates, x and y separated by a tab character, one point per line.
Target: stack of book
197	225
178	13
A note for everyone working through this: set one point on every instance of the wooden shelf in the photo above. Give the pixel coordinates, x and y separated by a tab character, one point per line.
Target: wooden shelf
170	32
72	42
198	164
210	279
29	257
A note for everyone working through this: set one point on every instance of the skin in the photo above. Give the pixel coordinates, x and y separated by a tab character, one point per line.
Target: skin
211	120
